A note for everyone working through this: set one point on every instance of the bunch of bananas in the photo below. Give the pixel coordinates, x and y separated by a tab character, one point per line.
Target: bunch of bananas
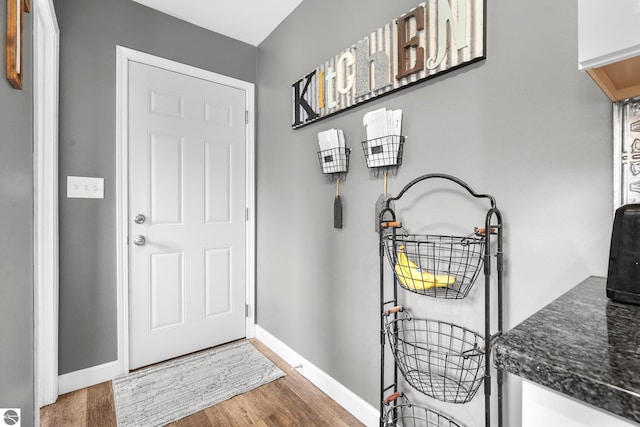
413	278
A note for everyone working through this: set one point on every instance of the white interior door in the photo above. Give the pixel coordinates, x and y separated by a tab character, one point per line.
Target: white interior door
187	191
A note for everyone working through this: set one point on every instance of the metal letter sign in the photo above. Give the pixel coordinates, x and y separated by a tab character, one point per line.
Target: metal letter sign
435	37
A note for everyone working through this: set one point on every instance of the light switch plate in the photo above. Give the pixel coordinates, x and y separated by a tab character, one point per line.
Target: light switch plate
82	187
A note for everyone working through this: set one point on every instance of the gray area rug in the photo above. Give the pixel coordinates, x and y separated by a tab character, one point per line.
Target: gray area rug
172	390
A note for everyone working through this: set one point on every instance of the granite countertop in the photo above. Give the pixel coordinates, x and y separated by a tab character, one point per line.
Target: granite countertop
583	345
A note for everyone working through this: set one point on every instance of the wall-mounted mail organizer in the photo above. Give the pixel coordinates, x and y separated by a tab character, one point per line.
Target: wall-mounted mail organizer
384	153
335	162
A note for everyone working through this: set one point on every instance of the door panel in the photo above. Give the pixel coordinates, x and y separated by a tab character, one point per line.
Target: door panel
165	179
218	114
167	289
218	279
187	154
166	104
218	182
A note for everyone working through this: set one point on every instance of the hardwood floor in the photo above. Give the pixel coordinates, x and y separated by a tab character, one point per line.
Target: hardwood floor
288	401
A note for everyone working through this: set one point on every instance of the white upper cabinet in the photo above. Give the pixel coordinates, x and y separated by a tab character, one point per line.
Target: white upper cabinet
609	45
608	31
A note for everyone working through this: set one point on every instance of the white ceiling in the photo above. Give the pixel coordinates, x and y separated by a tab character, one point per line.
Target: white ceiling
250	21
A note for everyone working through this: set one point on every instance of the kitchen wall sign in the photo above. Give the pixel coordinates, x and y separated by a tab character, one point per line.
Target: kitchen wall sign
435	37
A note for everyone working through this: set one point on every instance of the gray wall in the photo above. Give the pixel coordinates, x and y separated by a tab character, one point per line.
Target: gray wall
90	31
16	236
525	125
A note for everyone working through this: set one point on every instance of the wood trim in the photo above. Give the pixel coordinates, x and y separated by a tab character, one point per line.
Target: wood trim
12	53
14	42
122	207
619	80
87	377
46	253
250	244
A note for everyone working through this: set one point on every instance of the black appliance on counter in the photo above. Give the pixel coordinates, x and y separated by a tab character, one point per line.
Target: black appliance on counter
623	278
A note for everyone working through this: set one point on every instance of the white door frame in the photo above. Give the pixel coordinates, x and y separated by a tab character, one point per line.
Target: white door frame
123	56
46	45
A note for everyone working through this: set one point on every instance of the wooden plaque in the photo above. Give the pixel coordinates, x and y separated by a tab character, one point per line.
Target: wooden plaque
14	42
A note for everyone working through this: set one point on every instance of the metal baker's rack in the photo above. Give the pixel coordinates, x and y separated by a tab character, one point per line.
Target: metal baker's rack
441	360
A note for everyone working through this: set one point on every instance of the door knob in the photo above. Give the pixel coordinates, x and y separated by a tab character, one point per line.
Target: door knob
139	219
139	240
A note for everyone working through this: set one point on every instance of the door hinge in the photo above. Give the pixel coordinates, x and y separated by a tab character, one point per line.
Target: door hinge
246	214
246	310
246	117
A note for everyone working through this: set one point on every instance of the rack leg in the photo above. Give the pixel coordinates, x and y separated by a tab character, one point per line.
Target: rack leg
500	381
487	400
381	377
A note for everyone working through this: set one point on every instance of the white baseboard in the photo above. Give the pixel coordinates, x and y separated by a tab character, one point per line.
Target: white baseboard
363	411
87	377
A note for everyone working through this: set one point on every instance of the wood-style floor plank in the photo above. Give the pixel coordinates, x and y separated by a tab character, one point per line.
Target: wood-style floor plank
288	401
101	410
198	419
69	410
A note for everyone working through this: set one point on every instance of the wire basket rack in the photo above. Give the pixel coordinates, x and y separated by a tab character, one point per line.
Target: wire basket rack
436	265
404	413
441	360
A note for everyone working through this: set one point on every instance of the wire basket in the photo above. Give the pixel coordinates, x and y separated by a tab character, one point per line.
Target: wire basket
334	160
436	265
385	151
442	360
406	414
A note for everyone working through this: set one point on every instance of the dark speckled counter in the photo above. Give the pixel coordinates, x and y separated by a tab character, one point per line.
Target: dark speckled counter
583	345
